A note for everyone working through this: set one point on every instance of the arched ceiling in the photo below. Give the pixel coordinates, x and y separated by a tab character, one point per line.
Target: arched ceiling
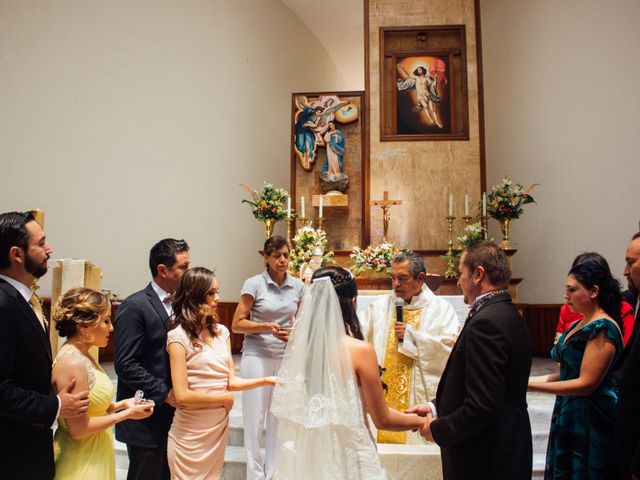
339	27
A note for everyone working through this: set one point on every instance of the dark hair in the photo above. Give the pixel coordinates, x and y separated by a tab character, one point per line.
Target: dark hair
13	233
346	289
189	306
416	262
79	307
164	253
593	270
424	69
492	259
275	242
635	236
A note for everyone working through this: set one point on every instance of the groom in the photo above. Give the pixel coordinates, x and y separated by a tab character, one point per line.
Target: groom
479	416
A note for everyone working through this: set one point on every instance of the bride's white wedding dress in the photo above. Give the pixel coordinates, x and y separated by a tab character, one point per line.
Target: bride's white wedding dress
323	433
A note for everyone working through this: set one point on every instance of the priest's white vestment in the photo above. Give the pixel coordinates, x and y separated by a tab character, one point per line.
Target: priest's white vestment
414	366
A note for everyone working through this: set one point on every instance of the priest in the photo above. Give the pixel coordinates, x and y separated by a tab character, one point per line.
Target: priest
413	332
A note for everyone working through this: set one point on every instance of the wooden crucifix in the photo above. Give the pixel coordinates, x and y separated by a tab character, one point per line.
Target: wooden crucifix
385	204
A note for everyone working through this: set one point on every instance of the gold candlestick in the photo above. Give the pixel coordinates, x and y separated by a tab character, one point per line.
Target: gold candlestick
452	268
467	219
320	222
484	221
289	237
304	221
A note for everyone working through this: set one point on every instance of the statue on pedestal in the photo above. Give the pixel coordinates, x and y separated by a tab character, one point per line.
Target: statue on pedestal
333	179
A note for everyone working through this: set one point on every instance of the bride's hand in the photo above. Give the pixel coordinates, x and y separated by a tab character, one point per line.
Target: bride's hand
420	410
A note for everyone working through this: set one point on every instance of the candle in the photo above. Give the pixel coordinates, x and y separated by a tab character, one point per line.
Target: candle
302	206
288	207
484	204
466	204
451	205
320	206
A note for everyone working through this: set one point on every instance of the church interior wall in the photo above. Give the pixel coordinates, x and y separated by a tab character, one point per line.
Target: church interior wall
561	109
131	121
422	173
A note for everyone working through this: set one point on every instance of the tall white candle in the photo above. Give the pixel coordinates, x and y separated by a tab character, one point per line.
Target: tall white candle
320	206
288	207
302	206
466	204
484	204
451	205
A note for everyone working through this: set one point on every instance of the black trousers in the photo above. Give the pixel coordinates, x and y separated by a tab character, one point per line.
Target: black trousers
147	463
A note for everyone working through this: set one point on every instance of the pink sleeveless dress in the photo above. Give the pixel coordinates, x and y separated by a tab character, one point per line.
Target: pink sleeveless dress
198	437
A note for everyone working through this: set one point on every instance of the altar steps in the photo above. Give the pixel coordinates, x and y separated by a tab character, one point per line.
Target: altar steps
540	407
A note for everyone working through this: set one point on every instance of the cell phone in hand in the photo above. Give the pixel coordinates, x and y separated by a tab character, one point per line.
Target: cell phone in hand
138	397
285	328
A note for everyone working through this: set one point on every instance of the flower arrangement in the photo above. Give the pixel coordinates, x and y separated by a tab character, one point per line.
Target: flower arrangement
374	257
268	203
306	239
472	234
505	201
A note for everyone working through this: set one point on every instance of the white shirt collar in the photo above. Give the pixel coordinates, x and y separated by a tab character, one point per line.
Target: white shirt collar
19	286
162	295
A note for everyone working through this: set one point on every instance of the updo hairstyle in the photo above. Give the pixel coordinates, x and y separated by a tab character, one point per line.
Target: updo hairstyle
346	289
591	269
79	307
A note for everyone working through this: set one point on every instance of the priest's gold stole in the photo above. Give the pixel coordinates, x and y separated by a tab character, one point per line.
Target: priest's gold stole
397	376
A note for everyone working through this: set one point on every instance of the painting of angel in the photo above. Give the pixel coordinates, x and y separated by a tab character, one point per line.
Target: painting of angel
423	100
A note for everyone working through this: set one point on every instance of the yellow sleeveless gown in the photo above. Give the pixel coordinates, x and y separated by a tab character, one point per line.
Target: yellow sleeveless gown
91	457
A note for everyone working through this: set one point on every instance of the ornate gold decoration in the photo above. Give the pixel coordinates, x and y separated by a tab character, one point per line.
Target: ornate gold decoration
505	227
398	376
269	223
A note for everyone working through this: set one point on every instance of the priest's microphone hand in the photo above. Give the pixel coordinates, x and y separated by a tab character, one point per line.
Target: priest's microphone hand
399	329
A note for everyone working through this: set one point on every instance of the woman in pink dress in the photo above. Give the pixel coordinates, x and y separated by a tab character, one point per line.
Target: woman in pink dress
202	373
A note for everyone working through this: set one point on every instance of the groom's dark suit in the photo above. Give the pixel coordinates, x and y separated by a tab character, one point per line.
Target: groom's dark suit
142	363
628	375
27	410
483	425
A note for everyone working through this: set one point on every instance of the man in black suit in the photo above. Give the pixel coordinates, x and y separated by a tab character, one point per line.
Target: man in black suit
628	374
479	416
27	407
142	363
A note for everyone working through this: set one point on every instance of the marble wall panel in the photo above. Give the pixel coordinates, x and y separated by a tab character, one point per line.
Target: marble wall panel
422	173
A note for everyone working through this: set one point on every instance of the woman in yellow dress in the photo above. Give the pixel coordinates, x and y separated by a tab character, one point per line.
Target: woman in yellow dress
83	445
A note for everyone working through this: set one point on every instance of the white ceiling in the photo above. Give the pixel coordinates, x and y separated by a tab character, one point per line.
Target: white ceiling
339	27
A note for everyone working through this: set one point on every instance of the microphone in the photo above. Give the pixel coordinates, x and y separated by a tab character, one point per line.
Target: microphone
399	312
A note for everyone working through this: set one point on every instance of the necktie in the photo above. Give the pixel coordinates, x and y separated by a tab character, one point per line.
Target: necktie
34	301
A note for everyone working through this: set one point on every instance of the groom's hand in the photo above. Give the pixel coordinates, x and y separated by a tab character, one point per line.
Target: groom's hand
420	410
425	431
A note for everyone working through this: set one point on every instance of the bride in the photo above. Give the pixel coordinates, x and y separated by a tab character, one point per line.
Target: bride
328	381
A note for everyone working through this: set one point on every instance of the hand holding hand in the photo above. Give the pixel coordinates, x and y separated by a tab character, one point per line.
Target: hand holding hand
420	410
73	404
425	431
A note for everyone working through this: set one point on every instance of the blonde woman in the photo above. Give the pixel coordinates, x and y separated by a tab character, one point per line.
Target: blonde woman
83	445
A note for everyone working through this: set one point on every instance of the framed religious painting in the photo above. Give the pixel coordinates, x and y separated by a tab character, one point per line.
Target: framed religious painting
423	79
